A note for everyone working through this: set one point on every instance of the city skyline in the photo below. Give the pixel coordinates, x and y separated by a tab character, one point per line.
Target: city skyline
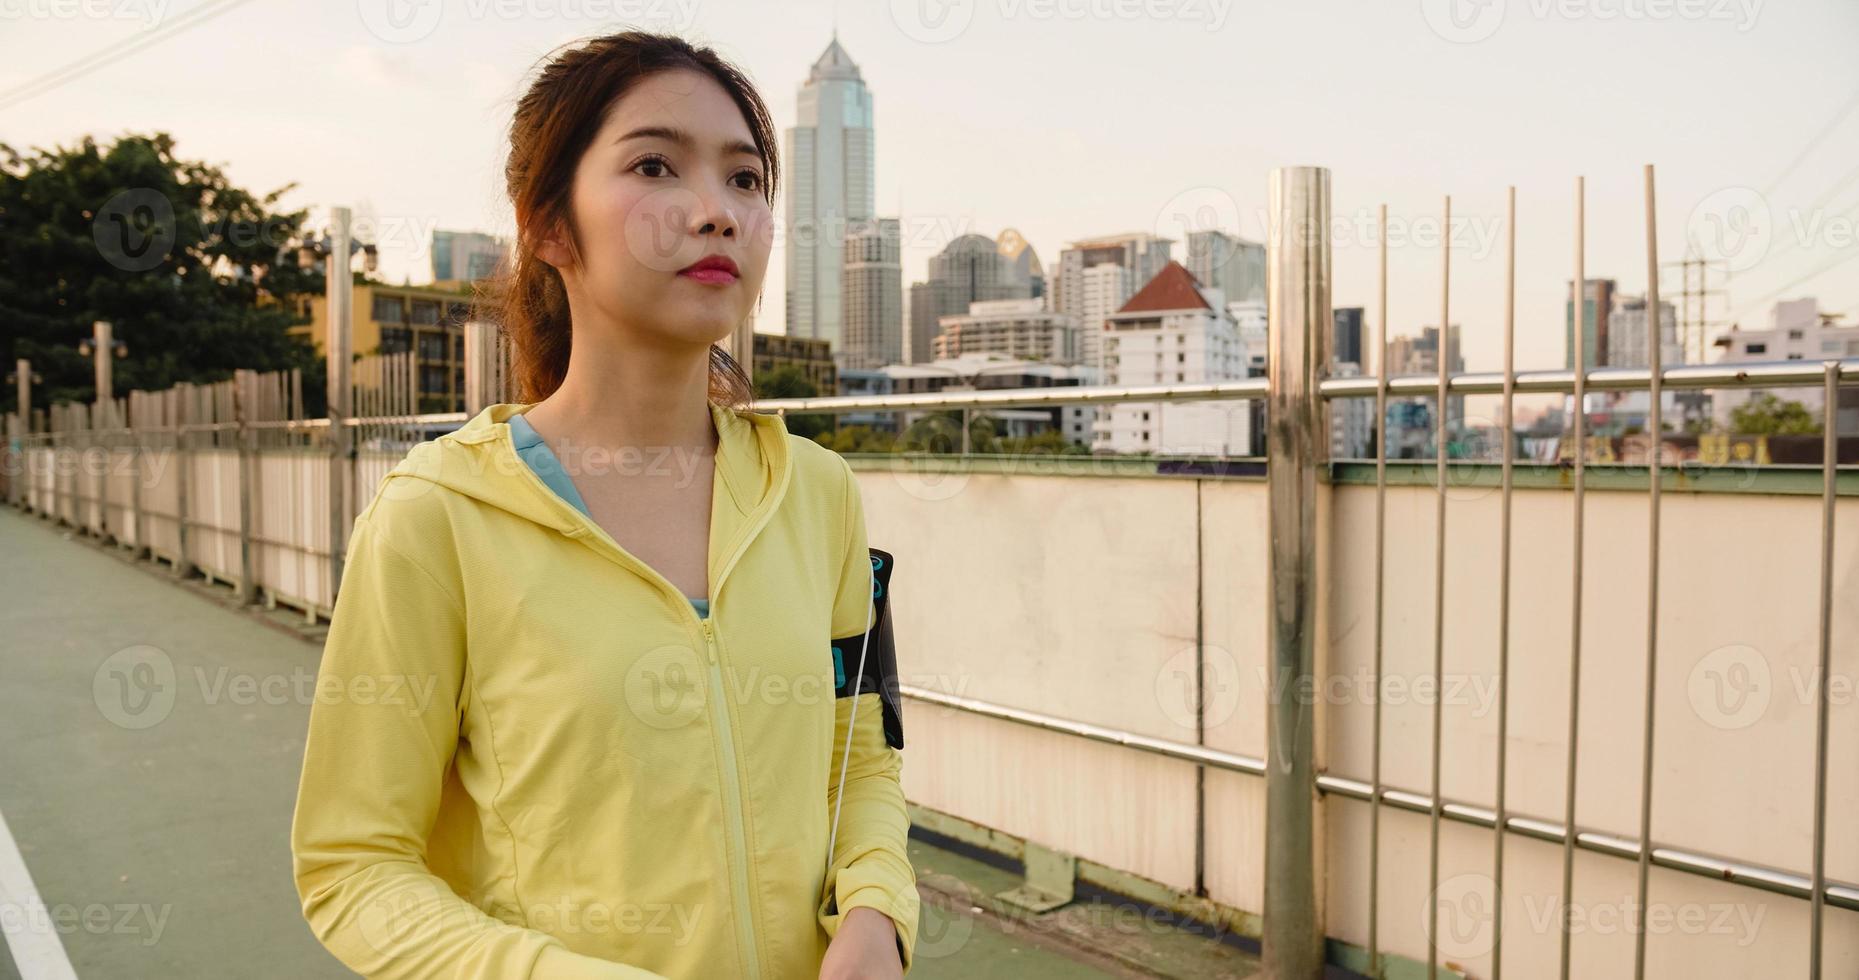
1770	141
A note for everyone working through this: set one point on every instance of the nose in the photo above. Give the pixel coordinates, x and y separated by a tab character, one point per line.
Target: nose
714	215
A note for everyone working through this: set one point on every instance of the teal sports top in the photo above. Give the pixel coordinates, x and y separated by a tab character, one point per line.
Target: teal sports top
538	457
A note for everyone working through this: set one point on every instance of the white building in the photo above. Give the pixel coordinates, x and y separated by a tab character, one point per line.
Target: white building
1626	334
1250	320
1173	332
1088	290
872	334
1019	328
1797	331
831	164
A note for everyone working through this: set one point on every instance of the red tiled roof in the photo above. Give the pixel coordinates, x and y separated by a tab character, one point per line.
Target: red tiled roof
1174	288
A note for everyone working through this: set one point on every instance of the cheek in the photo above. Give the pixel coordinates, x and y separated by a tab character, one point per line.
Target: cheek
610	213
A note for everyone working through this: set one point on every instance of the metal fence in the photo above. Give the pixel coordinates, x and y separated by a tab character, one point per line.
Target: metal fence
232	482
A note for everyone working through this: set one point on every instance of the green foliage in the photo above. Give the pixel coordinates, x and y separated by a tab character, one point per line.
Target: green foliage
1766	415
789	381
183	264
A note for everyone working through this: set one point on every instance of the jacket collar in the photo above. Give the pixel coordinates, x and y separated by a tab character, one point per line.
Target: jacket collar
479	459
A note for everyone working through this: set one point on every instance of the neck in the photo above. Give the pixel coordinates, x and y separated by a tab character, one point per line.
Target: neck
642	394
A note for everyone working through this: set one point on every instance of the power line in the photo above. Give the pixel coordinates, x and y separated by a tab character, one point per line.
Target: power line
1814	143
1837	260
112	53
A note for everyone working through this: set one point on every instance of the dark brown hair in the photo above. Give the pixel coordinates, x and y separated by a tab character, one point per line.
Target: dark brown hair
554	123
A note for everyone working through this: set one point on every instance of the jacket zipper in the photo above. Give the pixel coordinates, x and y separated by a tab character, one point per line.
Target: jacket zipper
732	803
591	533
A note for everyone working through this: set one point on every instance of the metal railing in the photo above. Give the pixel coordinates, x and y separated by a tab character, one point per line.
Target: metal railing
1297	394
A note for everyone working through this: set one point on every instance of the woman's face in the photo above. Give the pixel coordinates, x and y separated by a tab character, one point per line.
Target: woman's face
672	179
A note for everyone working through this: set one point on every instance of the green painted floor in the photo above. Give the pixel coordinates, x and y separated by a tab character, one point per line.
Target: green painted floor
164	821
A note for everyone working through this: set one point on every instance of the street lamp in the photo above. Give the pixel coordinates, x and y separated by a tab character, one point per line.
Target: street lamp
316	248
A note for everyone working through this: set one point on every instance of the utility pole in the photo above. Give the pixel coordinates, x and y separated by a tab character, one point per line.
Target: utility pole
1694	324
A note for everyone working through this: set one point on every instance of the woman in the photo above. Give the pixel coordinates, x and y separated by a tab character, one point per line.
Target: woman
576	713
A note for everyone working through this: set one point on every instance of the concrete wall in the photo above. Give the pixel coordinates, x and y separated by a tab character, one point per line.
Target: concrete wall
1085	596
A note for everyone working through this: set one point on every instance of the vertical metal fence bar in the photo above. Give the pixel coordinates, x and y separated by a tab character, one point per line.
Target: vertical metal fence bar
1381	541
1298	302
1441	359
336	345
1580	320
1656	477
1510	453
1829	460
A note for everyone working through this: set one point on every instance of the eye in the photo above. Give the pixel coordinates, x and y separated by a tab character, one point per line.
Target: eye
653	160
755	180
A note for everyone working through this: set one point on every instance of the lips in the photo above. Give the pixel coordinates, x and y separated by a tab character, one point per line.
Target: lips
717	269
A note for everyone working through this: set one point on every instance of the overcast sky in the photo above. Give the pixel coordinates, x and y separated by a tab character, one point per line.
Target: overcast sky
1073	118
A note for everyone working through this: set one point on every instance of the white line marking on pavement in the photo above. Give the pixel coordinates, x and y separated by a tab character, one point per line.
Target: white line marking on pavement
30	932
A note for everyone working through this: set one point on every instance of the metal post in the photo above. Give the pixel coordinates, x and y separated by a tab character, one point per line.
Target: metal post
481	374
101	350
339	292
1298	305
243	396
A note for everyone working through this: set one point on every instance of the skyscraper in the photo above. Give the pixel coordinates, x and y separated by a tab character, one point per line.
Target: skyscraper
872	335
1092	298
1228	263
1596	308
831	154
971	269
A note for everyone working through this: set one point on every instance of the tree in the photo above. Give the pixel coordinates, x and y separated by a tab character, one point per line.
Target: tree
184	265
1766	415
789	381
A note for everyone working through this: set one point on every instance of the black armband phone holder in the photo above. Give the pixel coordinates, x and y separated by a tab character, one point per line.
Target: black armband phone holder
880	674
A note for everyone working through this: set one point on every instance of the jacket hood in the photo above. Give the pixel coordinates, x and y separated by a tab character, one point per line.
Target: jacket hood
479	460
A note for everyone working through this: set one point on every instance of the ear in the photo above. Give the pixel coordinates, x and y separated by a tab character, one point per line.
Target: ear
552	248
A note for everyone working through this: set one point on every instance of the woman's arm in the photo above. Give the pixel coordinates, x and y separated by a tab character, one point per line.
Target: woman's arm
371	782
870	866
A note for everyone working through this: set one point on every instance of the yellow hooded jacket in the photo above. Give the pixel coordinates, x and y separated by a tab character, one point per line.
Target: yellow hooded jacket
529	757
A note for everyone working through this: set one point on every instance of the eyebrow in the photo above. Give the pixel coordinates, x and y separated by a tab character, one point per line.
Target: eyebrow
682	138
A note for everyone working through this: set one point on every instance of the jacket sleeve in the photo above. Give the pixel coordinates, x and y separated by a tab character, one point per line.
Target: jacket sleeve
870	865
371	784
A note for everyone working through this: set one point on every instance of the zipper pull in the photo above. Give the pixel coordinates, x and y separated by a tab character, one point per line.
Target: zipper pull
709	639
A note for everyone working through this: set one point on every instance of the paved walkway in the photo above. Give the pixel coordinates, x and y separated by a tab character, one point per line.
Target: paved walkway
151	737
